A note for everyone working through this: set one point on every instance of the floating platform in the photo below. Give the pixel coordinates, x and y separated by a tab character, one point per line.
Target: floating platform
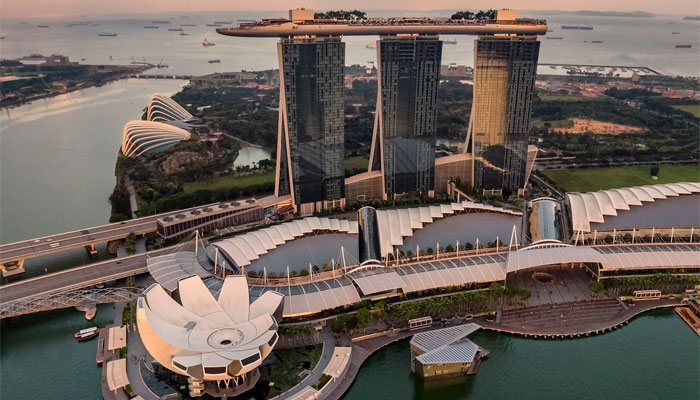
690	318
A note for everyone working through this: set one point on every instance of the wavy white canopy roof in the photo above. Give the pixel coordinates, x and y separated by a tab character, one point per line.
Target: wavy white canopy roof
244	249
592	207
140	137
206	337
162	108
395	225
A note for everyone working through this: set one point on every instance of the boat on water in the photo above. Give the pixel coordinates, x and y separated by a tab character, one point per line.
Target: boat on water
160	22
581	28
596	41
683	46
675	33
42	26
214	61
110	34
372	45
87	334
151	27
450	41
554	37
175	29
207	43
213	24
184	34
223	22
83	59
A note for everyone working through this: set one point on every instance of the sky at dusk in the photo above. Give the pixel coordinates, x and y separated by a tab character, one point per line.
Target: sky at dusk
44	8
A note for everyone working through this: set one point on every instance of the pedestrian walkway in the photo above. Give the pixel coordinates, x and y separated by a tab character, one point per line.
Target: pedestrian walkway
328	341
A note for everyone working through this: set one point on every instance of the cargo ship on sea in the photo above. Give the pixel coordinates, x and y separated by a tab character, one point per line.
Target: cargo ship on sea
577	27
108	34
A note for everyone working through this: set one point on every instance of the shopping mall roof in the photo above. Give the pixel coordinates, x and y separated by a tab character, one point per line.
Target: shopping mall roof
650	256
377	280
395	225
592	207
452	272
314	296
541	256
243	249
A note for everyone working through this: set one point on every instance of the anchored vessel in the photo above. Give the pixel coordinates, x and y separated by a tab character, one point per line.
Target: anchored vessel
86	334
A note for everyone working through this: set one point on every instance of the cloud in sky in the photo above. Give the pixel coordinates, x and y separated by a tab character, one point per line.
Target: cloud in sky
29	8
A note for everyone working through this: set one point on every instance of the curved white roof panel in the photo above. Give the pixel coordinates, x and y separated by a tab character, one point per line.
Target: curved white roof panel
650	256
587	208
539	257
200	332
162	108
142	137
245	248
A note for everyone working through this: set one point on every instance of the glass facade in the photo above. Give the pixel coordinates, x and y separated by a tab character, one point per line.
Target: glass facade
313	72
368	234
504	79
409	75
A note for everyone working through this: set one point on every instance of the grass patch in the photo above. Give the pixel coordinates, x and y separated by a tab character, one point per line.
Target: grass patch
230	181
556	124
356	163
570	98
286	364
689	108
587	180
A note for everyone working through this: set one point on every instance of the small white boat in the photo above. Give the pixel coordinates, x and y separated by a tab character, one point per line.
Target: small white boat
87	334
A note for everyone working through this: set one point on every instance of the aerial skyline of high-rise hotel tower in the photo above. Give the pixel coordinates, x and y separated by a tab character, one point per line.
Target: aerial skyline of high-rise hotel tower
403	141
311	130
310	173
504	82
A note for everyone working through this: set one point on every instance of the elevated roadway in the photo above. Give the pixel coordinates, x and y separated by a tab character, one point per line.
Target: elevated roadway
88	237
80	277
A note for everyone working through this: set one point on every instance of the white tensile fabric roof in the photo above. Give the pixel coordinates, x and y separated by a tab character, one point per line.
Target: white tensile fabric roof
395	225
378	280
116	337
453	272
594	206
170	268
116	374
243	249
314	296
537	257
650	256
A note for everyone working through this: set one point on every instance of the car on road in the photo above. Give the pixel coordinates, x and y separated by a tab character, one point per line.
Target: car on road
55	244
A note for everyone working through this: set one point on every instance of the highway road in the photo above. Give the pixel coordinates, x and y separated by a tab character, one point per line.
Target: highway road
68	240
80	277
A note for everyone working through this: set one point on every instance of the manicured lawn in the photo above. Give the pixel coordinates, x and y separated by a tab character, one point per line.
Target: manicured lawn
228	182
570	98
591	179
560	123
356	163
691	108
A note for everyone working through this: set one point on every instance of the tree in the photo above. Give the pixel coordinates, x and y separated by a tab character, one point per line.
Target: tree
596	286
654	170
449	248
495	290
130	243
380	309
304	272
364	317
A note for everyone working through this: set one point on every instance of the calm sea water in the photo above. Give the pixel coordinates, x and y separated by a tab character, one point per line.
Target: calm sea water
627	41
654	357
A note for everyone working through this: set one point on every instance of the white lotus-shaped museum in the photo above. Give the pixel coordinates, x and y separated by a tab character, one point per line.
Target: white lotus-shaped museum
205	337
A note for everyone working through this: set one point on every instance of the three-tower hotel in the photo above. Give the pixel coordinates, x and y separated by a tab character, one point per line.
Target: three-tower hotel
495	157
